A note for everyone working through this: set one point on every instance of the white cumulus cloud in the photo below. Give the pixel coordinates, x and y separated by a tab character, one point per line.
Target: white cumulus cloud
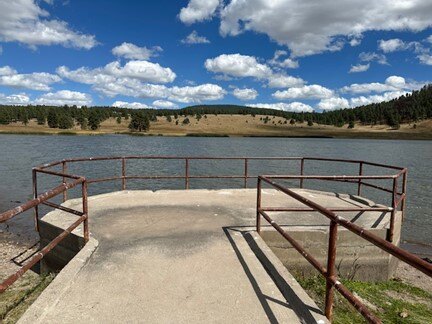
307	29
291	107
313	91
238	65
133	52
24	21
392	45
365	100
14	99
245	94
198	10
279	80
197	93
194	38
40	81
64	97
333	103
164	104
359	68
286	62
134	79
373	57
139	70
131	105
244	66
425	58
392	83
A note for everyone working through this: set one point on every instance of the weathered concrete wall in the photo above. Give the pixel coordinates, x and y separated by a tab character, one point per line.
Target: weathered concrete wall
356	258
65	251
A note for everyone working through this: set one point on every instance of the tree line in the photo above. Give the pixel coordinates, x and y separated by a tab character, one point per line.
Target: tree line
408	108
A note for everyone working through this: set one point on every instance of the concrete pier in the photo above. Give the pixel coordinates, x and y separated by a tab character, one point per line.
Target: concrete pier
191	256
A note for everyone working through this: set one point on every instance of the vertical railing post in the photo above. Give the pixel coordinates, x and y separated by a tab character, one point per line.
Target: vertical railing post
301	172
331	270
85	210
258	214
187	174
64	170
35	194
245	173
404	189
360	180
393	212
123	174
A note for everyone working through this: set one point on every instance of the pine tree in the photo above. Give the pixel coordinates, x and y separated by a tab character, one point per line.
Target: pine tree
53	118
24	117
41	117
4	117
139	122
94	119
65	121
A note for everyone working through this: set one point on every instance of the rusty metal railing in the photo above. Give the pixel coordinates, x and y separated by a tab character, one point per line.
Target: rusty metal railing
398	198
44	199
329	272
69	181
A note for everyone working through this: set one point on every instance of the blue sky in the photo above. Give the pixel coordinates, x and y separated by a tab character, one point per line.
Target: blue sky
291	55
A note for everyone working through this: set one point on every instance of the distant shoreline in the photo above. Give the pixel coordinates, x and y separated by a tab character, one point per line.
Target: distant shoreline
373	136
233	126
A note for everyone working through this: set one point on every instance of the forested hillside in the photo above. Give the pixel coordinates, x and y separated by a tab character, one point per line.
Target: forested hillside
405	109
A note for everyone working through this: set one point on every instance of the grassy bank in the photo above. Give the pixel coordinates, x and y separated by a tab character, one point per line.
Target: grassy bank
235	125
393	301
15	301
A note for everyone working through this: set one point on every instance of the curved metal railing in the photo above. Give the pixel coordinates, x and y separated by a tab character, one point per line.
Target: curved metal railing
69	181
398	195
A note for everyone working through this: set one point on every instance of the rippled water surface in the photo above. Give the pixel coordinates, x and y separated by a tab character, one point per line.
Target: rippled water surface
18	154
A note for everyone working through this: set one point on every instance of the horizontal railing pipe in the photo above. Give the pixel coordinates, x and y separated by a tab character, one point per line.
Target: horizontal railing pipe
41	198
317	265
35	259
334	209
329	177
399	253
355	161
59	174
139	157
63	208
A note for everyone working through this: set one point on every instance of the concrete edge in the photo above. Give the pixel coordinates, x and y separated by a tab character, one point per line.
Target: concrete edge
285	281
59	286
221	191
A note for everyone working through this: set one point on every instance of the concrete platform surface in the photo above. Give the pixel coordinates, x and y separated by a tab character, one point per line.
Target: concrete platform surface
179	257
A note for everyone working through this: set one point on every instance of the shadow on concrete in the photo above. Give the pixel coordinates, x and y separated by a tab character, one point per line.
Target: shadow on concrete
292	300
379	220
261	297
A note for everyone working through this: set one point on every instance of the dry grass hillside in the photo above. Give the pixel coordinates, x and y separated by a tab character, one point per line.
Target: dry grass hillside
237	125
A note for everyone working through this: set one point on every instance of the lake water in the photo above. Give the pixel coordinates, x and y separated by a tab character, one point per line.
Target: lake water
18	154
